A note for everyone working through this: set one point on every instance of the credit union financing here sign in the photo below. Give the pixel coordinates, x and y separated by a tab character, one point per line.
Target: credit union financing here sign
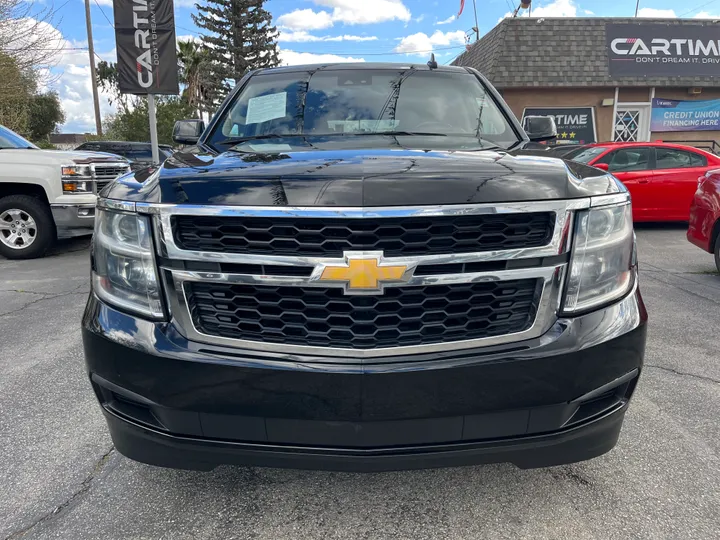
674	115
663	49
574	125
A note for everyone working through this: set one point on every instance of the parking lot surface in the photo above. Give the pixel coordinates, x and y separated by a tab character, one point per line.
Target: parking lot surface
61	478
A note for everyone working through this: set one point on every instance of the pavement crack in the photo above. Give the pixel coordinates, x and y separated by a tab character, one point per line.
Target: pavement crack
683	373
22	291
44	296
55	512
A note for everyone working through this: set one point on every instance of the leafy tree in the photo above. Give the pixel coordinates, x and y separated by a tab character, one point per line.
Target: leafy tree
45	114
132	124
193	65
107	77
240	37
22	108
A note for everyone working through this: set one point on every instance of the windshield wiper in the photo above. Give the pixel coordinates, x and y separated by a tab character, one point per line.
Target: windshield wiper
238	140
400	133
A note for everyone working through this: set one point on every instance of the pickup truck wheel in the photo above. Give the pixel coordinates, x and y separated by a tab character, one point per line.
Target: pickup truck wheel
717	254
27	228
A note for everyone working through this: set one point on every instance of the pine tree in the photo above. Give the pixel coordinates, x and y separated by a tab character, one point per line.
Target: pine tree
240	37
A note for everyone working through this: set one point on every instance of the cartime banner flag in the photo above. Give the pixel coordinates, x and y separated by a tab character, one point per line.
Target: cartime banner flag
146	50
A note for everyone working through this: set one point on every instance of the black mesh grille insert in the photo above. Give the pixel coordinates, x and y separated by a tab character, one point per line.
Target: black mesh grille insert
393	236
326	317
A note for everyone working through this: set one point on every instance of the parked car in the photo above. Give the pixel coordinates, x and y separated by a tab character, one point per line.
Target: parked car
374	282
139	154
661	177
704	229
48	194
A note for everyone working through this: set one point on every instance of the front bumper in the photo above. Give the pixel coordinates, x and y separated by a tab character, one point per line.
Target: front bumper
556	399
73	219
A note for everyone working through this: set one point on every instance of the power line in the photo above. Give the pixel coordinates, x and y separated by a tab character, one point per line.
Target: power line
699	7
103	13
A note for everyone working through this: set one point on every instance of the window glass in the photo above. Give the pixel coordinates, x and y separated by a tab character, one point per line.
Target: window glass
670	158
138	154
347	102
585	155
10	139
627	159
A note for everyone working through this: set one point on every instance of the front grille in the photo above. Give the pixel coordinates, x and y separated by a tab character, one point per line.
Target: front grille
325	317
392	236
109	172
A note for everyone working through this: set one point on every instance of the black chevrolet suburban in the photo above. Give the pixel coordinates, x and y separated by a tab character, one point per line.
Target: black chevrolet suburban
356	268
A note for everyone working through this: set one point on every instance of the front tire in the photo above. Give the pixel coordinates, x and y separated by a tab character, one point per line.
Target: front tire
27	228
717	253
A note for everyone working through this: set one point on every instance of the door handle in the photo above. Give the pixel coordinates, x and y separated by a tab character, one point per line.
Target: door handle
643	181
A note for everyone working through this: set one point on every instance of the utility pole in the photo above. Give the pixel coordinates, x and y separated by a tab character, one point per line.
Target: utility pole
477	28
91	51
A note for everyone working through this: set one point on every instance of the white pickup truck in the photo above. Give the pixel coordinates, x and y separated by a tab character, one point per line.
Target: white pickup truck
48	194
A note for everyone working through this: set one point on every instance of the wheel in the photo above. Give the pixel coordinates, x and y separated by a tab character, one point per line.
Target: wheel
27	228
717	253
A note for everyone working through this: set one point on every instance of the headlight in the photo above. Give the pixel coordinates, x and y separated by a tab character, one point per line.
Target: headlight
124	272
77	179
601	269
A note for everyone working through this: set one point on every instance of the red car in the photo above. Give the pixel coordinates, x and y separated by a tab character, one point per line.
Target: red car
662	177
704	230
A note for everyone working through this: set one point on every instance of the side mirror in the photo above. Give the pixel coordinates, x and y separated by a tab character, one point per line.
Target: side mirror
540	128
188	131
602	166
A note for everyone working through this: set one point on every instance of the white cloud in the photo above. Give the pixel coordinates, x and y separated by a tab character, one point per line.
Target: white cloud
556	8
657	13
366	11
450	19
706	15
292	58
346	12
421	18
421	42
588	12
70	78
188	37
302	36
305	19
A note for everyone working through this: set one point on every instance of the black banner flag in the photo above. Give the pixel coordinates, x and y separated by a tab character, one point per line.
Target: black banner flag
146	50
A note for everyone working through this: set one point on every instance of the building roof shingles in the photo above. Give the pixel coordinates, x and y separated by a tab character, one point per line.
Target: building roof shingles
560	52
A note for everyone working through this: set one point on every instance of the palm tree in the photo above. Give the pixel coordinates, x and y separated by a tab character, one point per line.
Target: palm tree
193	64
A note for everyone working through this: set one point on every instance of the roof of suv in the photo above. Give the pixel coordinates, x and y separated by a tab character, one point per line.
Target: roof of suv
363	66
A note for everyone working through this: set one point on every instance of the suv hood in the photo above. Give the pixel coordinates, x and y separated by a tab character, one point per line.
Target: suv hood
367	177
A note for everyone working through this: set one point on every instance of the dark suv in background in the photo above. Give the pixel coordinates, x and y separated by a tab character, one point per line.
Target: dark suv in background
138	153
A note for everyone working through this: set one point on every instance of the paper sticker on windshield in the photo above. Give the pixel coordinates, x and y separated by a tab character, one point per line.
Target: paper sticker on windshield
264	108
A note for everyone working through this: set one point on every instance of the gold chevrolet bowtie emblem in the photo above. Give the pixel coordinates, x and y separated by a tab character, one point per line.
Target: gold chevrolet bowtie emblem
363	275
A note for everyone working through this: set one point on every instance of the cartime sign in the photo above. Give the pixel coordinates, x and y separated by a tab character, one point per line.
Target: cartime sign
145	35
575	125
664	50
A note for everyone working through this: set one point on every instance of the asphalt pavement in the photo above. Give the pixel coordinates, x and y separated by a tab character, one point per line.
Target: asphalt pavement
61	478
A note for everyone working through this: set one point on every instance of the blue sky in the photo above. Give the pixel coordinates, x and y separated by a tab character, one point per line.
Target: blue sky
336	30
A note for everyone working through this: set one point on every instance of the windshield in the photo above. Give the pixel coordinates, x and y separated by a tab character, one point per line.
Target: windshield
10	139
325	104
587	155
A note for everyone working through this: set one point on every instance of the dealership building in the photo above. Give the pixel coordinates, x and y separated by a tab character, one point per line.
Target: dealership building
608	79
